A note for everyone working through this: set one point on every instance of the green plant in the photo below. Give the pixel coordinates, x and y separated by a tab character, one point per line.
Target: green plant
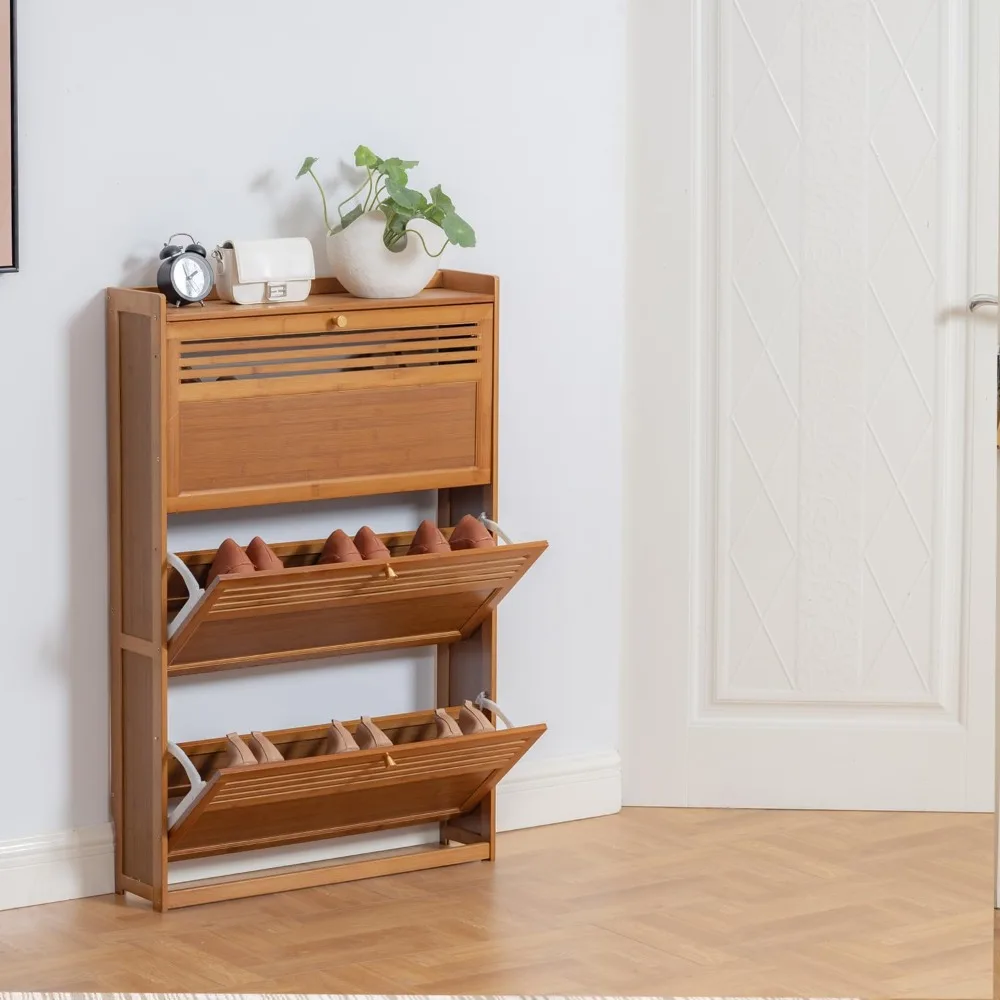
385	188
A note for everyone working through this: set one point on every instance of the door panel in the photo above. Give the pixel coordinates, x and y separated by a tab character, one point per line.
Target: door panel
833	653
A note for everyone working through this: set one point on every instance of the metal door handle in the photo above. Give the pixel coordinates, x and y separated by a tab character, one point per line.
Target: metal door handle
981	300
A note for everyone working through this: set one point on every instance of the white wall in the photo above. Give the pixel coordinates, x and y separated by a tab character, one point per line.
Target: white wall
138	120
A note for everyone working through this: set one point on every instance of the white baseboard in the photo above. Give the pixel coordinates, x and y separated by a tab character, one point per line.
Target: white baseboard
76	863
560	790
56	866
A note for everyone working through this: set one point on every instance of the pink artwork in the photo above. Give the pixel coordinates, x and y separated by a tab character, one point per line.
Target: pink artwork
8	164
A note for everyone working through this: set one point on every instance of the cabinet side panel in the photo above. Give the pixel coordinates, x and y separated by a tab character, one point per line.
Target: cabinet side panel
140	682
137	347
138	530
469	666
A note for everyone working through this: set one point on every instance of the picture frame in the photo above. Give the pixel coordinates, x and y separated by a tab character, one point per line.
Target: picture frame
8	138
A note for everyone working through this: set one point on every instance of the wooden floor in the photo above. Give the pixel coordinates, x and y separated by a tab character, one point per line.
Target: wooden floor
684	902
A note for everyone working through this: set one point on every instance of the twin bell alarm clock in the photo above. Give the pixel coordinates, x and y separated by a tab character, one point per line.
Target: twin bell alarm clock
185	275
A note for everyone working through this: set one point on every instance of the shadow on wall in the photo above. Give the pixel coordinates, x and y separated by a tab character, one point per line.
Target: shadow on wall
80	651
303	214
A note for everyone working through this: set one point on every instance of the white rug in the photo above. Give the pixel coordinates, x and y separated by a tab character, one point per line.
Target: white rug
366	996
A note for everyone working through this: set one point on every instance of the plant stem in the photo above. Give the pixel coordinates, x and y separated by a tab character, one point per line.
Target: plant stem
322	194
426	251
371	189
367	181
391	238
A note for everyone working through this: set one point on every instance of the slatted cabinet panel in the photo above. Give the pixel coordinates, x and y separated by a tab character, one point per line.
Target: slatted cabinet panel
309	798
341	403
312	610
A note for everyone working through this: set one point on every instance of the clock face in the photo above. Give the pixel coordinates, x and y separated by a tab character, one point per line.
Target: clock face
191	276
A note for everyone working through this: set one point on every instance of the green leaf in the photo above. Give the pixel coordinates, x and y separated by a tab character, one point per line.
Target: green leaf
394	174
395	219
390	205
441	199
405	196
458	230
396	168
364	157
307	165
354	213
435	214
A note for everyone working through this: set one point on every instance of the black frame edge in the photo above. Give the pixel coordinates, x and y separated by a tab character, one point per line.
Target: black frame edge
15	265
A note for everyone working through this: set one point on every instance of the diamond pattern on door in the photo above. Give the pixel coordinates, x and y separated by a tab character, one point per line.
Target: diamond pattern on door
765	123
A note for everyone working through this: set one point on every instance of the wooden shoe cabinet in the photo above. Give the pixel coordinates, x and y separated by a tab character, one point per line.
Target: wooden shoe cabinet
225	406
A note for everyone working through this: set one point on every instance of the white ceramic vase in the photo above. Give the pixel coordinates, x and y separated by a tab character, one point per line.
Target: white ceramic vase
363	264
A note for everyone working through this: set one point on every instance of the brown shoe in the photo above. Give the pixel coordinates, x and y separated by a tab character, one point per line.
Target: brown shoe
446	725
471	720
264	751
371	547
229	559
262	555
237	752
339	739
339	549
428	538
368	735
471	533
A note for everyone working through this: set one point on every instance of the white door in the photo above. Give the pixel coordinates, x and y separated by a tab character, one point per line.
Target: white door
812	416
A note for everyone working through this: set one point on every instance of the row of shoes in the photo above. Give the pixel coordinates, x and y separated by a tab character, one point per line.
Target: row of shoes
469	533
258	749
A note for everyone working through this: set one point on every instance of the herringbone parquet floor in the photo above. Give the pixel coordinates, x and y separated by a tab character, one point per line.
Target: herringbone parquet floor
685	902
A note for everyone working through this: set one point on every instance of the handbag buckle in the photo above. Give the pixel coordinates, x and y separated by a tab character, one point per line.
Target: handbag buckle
277	290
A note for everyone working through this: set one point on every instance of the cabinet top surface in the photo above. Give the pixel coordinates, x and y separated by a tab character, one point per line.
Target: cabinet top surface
328	296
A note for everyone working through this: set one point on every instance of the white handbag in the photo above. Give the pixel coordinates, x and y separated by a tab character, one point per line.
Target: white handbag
248	272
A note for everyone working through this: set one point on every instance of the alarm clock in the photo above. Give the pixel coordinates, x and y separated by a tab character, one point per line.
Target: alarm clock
185	275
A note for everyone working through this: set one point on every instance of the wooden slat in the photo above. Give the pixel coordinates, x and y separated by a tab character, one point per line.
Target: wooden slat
374	865
294	801
300	611
307	345
141	646
334	364
323	599
185	320
136	887
326	382
213	663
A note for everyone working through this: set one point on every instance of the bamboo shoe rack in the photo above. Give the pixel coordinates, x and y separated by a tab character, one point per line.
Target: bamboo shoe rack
225	406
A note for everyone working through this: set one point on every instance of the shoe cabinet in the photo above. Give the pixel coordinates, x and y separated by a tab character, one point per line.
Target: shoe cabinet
224	406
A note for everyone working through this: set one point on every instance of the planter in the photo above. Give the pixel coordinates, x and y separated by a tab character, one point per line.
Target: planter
363	264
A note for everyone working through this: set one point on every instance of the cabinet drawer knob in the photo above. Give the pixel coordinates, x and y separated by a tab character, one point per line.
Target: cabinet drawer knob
340	321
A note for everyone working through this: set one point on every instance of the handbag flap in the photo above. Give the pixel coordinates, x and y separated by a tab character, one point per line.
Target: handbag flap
288	259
